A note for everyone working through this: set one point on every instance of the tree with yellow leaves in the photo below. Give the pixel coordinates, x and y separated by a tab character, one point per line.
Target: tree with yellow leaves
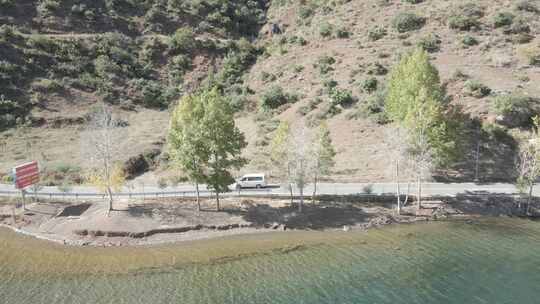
101	146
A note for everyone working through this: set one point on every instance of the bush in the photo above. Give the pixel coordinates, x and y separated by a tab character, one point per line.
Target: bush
47	85
373	108
341	97
326	29
151	93
376	33
413	1
276	97
329	84
8	110
343	33
312	105
377	68
503	19
459	75
430	43
476	89
405	22
267	77
182	41
178	66
532	54
519	26
527	6
298	68
370	85
7	3
324	64
515	110
466	17
468	40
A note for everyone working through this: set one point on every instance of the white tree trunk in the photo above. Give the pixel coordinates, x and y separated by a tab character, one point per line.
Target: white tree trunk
198	197
419	194
217	200
315	180
301	189
398	190
109	192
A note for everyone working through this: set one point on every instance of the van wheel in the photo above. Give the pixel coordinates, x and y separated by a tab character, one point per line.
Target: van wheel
258	186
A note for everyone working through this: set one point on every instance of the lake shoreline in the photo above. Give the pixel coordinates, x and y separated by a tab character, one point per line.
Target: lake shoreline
166	222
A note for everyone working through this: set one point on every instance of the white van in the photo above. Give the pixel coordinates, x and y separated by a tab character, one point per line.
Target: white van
251	181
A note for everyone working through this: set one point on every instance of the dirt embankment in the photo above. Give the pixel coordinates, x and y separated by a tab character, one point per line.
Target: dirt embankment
160	221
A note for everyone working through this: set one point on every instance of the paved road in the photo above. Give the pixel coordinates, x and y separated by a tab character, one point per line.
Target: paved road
443	189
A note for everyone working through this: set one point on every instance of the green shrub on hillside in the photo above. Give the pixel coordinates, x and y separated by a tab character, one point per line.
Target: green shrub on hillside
376	33
468	40
527	6
150	51
343	33
515	110
267	77
519	26
476	89
466	17
405	22
370	85
341	97
532	54
7	3
377	68
183	41
152	94
430	43
47	85
6	33
8	113
326	29
324	64
503	19
372	108
177	67
275	97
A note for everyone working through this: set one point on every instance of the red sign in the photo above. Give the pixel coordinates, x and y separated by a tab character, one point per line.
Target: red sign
26	175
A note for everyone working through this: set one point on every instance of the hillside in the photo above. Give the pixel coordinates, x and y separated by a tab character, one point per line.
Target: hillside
328	61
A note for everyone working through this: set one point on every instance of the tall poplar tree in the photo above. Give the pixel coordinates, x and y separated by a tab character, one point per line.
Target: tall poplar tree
187	145
416	102
223	140
324	154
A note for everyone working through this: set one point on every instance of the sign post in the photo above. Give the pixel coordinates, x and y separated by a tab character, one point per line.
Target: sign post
26	175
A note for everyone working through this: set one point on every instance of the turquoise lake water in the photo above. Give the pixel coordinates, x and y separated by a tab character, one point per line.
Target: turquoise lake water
486	261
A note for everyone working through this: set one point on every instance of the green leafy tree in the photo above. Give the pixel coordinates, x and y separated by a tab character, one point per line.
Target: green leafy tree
324	154
416	102
205	142
223	140
279	153
528	165
187	146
